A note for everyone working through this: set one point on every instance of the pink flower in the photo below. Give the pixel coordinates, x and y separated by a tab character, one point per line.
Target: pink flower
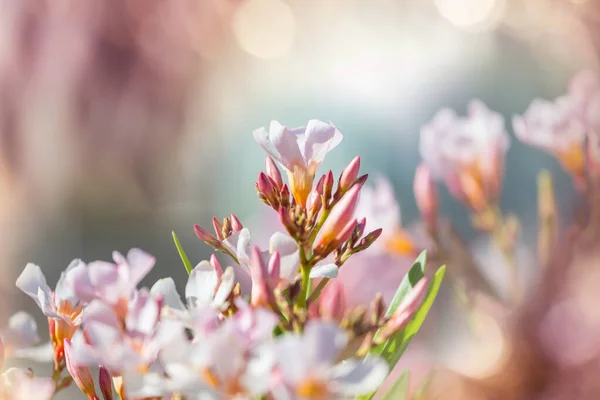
309	368
114	284
562	127
20	339
467	153
300	151
62	305
20	384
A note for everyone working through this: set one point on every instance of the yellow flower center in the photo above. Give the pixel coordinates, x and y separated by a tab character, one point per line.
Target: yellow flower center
400	243
312	389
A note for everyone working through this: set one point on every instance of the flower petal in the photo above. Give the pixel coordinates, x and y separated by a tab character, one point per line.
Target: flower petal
285	141
320	138
288	253
32	281
166	289
355	377
225	287
324	271
201	285
140	263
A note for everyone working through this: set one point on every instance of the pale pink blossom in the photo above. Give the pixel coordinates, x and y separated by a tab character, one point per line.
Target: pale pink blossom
20	339
467	153
111	283
20	384
300	151
310	369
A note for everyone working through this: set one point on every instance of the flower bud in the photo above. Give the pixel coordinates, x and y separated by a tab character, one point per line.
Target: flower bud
274	269
218	228
405	311
214	261
81	374
350	174
314	203
227	229
328	185
206	237
284	196
426	195
287	222
265	186
273	172
236	225
261	294
105	383
340	217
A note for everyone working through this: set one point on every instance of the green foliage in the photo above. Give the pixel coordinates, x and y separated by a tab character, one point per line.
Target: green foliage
186	261
399	390
395	346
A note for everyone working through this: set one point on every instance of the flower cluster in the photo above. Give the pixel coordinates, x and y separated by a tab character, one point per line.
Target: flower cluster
274	324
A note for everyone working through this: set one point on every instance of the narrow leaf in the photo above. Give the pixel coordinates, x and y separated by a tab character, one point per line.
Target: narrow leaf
414	275
186	261
394	347
399	390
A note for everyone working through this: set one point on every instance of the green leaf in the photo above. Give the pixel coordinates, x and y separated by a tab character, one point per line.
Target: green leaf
186	261
394	347
416	272
399	390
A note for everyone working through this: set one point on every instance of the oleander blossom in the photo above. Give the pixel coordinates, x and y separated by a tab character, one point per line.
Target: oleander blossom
567	127
300	151
467	153
269	325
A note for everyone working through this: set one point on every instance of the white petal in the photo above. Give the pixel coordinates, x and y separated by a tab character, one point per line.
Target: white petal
292	360
262	138
355	377
324	341
240	244
320	138
170	298
285	141
225	288
324	271
201	285
31	281
140	263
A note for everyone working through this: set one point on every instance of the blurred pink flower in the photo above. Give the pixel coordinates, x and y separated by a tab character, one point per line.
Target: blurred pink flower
467	153
563	126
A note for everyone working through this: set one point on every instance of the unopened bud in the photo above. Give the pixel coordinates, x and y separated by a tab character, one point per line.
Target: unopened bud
81	373
273	172
340	216
284	196
319	187
236	225
328	186
287	222
368	240
314	203
105	383
206	237
274	269
261	294
214	261
227	229
405	311
427	197
218	228
350	174
362	179
265	186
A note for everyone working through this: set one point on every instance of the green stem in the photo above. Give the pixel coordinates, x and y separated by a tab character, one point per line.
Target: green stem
305	267
317	292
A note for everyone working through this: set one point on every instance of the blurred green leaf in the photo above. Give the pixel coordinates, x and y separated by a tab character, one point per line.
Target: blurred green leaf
394	347
421	392
399	390
414	275
186	261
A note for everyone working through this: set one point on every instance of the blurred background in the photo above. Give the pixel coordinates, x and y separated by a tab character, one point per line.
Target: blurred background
122	120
